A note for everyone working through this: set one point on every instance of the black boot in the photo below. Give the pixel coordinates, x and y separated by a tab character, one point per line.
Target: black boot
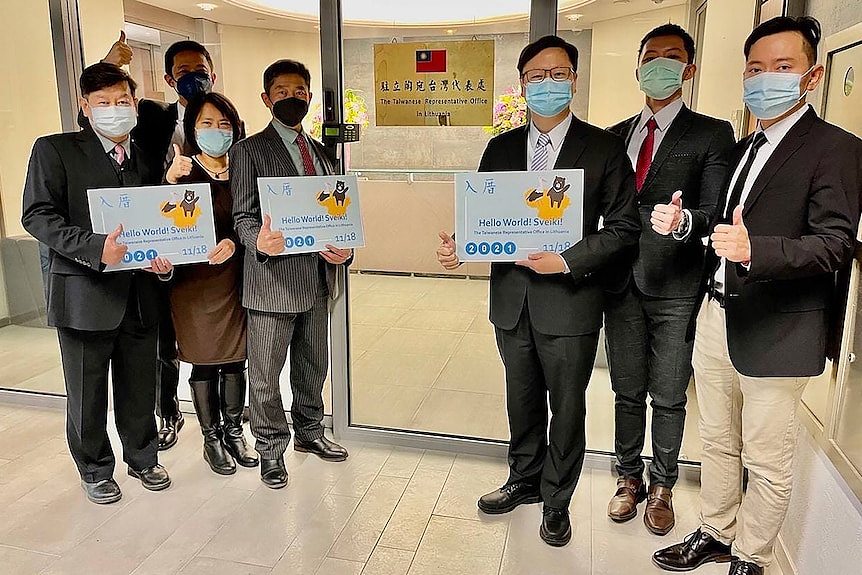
232	393
205	397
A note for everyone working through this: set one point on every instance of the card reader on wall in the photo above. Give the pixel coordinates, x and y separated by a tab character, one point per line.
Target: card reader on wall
340	133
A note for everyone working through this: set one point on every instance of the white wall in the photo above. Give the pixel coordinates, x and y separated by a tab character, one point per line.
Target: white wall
245	54
101	22
614	92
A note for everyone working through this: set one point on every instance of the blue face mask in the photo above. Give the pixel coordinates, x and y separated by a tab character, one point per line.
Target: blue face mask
194	84
548	98
214	142
770	95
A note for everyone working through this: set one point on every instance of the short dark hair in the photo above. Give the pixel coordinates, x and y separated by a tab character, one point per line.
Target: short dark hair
193	110
104	75
671	30
282	67
184	46
807	27
531	50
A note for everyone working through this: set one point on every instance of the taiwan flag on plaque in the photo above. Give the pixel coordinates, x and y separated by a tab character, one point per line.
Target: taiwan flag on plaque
430	61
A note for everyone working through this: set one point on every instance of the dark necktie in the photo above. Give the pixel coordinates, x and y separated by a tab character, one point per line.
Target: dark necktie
645	155
739	185
307	162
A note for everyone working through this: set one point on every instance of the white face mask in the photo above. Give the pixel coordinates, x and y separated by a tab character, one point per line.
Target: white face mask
114	121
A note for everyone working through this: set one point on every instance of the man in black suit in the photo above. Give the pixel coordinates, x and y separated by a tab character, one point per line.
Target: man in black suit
785	226
101	318
679	158
547	310
159	133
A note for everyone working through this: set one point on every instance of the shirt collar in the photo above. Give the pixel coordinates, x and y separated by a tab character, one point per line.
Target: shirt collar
557	134
663	118
776	132
289	135
109	145
181	112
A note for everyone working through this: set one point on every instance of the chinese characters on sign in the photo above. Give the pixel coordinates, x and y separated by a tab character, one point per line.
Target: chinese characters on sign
434	83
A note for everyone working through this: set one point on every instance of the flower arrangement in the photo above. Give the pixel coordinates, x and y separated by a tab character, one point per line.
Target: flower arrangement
510	111
355	112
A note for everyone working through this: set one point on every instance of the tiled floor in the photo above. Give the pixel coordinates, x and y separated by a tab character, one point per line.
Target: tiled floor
384	512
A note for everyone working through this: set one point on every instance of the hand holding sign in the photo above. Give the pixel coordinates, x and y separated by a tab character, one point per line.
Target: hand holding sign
269	242
731	241
446	252
180	166
113	252
666	218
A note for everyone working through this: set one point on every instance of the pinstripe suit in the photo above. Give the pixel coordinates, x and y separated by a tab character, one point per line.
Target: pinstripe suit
287	298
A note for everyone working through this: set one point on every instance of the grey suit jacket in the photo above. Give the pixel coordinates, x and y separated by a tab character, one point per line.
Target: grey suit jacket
282	284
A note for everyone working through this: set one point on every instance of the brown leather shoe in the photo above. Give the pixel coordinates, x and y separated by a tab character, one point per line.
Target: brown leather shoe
624	503
658	516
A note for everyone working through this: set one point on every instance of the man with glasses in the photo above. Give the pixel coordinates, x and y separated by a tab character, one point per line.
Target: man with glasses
547	310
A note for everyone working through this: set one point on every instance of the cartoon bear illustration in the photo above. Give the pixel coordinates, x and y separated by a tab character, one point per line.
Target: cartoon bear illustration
189	203
340	192
558	191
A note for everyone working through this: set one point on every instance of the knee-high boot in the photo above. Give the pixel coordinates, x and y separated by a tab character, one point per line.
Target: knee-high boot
205	397
232	391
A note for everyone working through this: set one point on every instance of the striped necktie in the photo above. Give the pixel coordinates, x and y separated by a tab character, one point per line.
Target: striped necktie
540	154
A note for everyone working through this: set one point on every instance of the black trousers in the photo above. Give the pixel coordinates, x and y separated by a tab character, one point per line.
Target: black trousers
648	355
543	370
168	374
130	350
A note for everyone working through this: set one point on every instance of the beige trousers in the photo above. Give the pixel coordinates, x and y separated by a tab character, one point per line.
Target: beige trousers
744	422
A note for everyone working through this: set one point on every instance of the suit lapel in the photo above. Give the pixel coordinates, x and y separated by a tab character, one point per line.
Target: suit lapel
573	146
677	129
280	154
519	162
318	148
105	172
629	131
794	140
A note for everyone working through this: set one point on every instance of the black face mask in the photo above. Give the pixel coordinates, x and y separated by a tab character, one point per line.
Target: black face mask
290	111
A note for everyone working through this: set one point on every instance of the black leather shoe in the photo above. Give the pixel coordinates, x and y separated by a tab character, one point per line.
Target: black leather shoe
508	497
697	549
744	568
273	473
102	492
556	528
154	478
323	448
170	430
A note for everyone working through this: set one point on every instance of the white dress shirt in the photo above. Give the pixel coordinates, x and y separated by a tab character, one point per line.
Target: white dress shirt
664	118
774	135
179	136
109	145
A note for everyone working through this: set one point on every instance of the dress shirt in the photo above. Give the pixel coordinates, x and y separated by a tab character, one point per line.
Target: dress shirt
289	136
664	118
774	135
179	135
109	145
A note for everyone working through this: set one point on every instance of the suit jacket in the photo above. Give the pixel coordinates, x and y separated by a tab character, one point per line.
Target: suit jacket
569	304
279	284
56	212
802	216
692	158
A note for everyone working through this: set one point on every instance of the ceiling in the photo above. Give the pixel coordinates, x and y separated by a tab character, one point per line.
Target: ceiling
405	18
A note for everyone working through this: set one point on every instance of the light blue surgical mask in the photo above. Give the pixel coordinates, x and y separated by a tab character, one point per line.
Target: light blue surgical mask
548	97
770	95
661	78
114	121
214	142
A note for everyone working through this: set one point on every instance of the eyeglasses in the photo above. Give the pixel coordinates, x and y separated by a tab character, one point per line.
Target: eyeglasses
536	75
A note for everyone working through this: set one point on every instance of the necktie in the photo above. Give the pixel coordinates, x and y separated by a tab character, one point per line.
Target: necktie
739	185
540	154
307	162
119	154
645	155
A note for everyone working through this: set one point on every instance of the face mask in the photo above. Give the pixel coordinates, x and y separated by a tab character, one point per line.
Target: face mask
772	94
661	78
548	98
290	111
194	84
114	121
213	141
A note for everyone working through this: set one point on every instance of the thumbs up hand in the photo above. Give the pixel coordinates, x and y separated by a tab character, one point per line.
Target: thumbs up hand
732	241
269	242
666	218
113	252
120	53
446	252
180	166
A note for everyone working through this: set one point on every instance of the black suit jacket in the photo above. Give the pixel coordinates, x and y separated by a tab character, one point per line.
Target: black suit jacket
569	304
56	211
692	158
802	216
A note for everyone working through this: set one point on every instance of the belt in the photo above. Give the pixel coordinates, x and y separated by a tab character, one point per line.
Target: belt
717	296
